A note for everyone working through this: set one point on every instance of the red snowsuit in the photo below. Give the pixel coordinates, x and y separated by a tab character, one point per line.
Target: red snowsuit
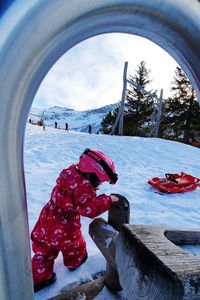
58	227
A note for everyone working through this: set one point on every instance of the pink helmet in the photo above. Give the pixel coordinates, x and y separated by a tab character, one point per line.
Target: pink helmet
96	162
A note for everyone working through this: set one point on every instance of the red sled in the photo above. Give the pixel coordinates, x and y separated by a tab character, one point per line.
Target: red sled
175	183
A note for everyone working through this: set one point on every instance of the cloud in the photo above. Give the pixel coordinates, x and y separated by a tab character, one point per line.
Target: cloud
91	74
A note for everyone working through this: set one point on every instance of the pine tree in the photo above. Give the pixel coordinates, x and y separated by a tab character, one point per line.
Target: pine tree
165	129
108	121
181	112
139	105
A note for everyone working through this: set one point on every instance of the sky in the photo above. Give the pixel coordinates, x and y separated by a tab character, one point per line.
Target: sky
136	160
90	75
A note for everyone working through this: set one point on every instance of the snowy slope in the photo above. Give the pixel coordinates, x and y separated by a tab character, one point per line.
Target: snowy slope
137	160
77	120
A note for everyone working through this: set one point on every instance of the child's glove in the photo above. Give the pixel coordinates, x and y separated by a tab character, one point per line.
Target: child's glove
114	198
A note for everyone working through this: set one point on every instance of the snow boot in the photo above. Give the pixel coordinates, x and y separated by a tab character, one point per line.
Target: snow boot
82	262
43	284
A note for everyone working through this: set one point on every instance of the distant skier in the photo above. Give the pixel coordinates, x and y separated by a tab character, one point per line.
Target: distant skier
40	123
66	126
58	227
56	125
89	129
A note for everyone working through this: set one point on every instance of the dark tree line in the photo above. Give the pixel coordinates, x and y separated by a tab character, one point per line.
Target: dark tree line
180	118
181	112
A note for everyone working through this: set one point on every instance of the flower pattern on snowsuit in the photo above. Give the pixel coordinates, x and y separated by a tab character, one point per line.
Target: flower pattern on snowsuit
59	228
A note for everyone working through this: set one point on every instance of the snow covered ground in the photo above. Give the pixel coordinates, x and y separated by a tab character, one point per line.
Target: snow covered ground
137	160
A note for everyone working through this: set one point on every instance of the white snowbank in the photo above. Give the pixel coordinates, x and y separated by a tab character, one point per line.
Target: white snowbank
137	160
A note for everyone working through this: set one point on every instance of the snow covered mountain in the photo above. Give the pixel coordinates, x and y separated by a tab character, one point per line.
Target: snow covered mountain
77	120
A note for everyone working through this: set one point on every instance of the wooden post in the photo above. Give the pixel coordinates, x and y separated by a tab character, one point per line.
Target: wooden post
104	235
119	213
151	267
159	114
121	120
118	125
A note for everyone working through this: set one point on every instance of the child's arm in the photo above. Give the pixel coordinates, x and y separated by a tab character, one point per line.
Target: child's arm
90	205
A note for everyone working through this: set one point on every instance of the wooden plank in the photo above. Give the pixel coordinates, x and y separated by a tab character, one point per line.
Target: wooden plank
88	291
183	236
152	267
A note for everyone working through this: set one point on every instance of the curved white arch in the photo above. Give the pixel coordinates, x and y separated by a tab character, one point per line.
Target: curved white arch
31	45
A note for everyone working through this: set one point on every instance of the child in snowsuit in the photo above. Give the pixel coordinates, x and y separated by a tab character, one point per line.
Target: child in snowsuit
58	227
